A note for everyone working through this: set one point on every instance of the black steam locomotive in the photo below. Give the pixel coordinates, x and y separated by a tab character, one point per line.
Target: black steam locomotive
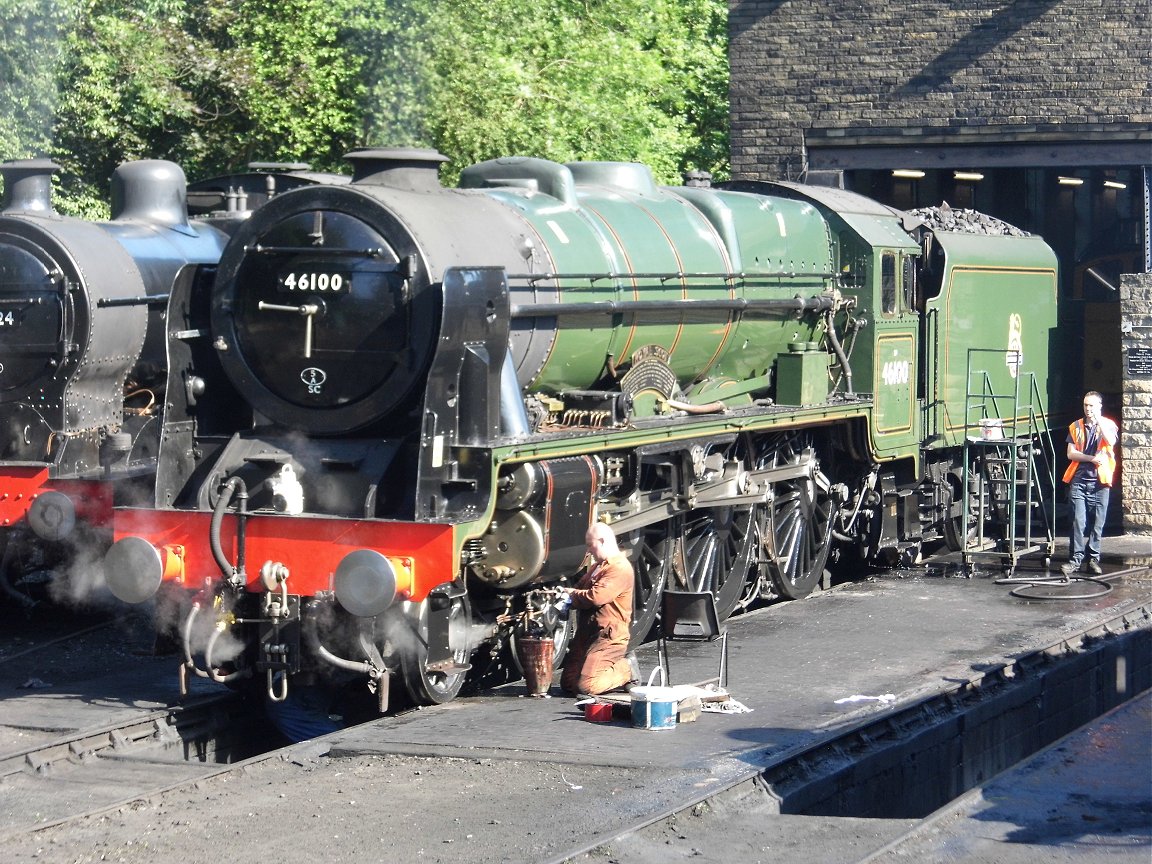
83	352
393	419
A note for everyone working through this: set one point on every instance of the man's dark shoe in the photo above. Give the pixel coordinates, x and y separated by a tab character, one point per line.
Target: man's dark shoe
1094	568
1069	568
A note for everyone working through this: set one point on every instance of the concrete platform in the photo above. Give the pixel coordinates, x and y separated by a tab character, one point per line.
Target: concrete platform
806	670
810	671
62	674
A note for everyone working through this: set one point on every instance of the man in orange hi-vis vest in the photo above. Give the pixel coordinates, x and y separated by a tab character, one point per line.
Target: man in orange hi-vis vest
1091	468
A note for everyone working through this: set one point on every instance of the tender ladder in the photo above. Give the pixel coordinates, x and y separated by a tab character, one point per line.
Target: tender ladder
1009	469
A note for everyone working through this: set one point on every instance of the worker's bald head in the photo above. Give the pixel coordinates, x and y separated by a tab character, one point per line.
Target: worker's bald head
601	541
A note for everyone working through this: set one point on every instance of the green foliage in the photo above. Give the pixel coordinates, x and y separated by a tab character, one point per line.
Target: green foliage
559	79
30	42
121	96
698	66
210	84
214	84
395	46
297	87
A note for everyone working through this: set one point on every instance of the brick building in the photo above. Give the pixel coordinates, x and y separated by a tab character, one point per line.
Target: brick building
1035	111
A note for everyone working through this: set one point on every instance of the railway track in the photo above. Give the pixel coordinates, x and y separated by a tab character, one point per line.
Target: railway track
88	718
94	769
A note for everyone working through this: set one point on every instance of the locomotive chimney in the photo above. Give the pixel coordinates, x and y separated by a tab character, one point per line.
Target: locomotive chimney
150	190
697	179
28	185
412	169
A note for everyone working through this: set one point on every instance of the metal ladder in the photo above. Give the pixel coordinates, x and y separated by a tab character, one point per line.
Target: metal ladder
1009	470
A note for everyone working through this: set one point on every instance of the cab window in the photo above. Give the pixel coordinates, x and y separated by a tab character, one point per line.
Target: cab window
911	298
853	262
888	283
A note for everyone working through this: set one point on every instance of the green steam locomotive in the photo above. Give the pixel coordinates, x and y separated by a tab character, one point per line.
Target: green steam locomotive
404	404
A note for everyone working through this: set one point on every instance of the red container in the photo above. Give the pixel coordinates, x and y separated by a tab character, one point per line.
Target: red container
597	712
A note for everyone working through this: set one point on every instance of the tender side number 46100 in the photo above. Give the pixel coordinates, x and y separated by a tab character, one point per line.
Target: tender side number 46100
896	372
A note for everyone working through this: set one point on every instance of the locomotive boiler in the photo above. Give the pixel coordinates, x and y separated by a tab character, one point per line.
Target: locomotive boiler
433	392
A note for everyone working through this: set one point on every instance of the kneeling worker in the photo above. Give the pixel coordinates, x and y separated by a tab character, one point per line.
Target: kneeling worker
598	659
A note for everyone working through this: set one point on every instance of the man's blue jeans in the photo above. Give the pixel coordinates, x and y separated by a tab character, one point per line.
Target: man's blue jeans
1087	505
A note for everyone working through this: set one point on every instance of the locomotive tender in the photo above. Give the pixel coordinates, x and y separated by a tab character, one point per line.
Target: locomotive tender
432	392
83	367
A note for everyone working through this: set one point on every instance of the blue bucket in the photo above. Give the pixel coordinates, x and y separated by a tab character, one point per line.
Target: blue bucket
653	706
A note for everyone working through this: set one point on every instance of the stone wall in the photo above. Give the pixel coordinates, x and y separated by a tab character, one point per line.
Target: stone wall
968	71
1136	420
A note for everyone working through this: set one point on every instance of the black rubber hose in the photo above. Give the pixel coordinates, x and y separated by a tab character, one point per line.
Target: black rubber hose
838	350
226	493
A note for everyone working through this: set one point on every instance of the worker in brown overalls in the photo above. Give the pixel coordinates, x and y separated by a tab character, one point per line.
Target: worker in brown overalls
598	659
